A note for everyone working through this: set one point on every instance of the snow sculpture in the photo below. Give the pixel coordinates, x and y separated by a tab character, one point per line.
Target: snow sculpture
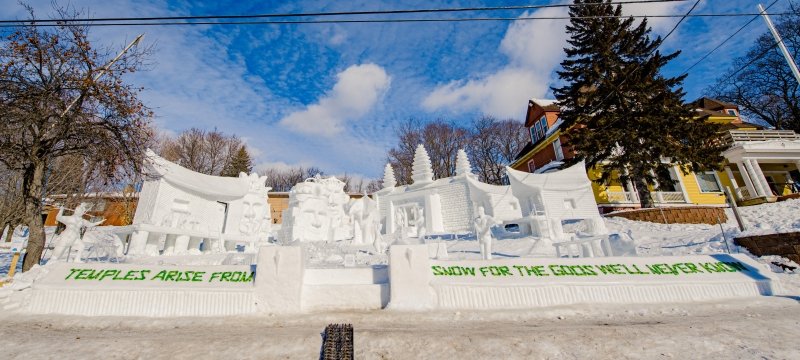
366	222
388	177
549	199
190	212
483	232
445	205
463	166
71	236
421	169
256	221
316	211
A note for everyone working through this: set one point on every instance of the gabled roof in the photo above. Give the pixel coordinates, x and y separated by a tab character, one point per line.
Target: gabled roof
707	103
546	104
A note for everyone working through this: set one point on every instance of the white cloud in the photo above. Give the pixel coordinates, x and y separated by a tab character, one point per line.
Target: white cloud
357	90
533	48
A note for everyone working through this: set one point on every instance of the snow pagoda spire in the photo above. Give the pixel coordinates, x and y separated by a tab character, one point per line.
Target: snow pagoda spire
421	169
463	166
388	177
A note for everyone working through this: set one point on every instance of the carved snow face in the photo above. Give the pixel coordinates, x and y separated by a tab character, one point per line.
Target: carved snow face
254	208
314	220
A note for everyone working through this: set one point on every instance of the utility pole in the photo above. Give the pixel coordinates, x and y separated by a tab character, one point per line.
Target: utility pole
778	39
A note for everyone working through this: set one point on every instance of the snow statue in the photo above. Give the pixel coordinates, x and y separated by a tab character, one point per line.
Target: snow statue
463	166
483	232
71	236
388	177
441	206
421	169
316	212
256	220
366	222
193	213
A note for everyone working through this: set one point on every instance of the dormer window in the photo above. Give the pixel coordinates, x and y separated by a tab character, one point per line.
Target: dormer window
731	112
539	129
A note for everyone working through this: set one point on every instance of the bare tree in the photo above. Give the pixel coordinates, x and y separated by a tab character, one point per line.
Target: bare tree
494	144
205	152
765	88
284	179
42	71
440	138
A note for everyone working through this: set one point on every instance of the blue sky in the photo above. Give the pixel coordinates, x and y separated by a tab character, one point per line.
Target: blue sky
331	95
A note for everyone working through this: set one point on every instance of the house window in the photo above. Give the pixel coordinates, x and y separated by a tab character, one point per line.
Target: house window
731	112
708	182
557	148
539	129
531	166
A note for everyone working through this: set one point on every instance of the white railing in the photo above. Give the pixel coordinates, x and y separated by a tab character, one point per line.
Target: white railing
739	136
669	197
620	197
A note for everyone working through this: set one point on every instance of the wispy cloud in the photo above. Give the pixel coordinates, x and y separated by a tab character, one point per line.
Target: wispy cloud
357	90
533	49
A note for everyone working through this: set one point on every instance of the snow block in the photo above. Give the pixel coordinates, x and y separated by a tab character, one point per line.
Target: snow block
418	282
410	278
279	279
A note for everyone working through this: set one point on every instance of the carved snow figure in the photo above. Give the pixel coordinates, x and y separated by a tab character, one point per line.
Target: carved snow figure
366	219
316	211
256	221
483	231
418	222
71	236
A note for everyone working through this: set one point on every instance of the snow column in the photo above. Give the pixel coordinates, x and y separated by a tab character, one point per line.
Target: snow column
388	177
279	279
421	169
463	166
410	278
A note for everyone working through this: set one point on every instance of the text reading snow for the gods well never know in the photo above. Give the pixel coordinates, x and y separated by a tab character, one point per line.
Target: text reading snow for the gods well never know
591	270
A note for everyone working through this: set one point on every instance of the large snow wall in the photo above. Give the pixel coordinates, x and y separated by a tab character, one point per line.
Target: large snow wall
418	282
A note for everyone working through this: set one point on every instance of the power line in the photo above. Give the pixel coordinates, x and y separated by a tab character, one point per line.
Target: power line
751	62
296	22
685	72
340	13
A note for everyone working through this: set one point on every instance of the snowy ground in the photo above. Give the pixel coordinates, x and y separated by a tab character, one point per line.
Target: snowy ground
765	327
761	328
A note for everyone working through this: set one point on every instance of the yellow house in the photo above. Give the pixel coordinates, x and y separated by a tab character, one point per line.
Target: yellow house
761	165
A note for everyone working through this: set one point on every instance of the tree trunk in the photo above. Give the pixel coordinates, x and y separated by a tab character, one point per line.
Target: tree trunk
645	199
32	184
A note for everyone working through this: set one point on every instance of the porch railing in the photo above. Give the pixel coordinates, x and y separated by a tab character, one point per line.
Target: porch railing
742	193
669	197
620	197
739	136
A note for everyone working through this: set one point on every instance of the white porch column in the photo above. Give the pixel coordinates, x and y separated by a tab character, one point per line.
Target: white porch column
730	176
758	185
760	176
747	181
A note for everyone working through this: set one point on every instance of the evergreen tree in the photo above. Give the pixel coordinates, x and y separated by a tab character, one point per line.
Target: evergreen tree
620	112
240	162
